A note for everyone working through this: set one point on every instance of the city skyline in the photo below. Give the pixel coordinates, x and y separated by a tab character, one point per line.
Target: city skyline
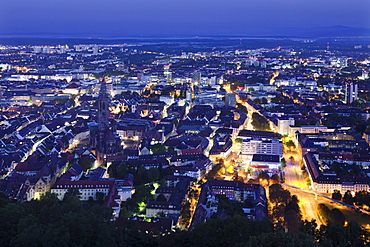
185	123
184	18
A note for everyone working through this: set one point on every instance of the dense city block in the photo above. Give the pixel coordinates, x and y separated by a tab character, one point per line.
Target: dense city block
241	141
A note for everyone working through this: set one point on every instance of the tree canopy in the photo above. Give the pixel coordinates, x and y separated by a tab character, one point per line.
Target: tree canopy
260	122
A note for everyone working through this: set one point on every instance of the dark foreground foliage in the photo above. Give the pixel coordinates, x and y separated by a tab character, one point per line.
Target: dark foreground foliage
49	222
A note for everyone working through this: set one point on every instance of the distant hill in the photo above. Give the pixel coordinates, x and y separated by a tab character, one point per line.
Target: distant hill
318	32
294	32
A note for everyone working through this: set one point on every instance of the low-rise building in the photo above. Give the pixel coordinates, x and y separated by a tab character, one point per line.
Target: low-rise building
196	169
237	191
265	162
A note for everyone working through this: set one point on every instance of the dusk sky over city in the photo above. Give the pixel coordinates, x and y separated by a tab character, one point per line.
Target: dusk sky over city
168	17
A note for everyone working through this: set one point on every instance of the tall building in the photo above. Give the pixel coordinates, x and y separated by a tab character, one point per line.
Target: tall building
167	73
283	125
197	77
213	80
230	99
37	49
46	49
103	138
95	50
350	92
189	94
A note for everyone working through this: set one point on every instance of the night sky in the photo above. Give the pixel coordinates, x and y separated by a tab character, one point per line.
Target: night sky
178	17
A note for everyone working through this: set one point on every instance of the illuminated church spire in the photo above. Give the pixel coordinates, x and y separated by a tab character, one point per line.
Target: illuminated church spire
103	104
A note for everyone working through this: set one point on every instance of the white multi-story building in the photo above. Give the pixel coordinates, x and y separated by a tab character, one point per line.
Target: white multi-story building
305	129
260	87
284	124
261	146
329	182
86	188
350	92
5	66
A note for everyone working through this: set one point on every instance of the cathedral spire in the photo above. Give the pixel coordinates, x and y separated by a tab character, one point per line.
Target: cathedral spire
103	103
103	93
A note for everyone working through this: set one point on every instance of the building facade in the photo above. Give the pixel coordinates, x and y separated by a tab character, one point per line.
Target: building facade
262	146
350	92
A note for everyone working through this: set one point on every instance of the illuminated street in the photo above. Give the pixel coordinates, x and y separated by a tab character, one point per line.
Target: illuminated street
308	203
296	184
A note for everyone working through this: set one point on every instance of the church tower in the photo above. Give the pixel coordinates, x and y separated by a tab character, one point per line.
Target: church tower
103	104
103	137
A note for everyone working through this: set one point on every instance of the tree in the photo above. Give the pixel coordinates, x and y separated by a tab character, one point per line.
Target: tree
283	162
278	195
146	92
161	198
238	140
121	170
153	174
175	122
292	221
337	235
124	213
259	122
257	101
157	148
72	195
49	222
274	179
4	199
215	170
336	195
112	171
290	144
347	198
263	178
100	197
337	217
293	205
85	163
362	198
242	108
308	227
336	167
185	215
324	212
278	214
281	239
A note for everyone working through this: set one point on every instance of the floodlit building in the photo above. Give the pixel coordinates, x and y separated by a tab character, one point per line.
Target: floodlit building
324	180
283	125
350	92
262	146
265	162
